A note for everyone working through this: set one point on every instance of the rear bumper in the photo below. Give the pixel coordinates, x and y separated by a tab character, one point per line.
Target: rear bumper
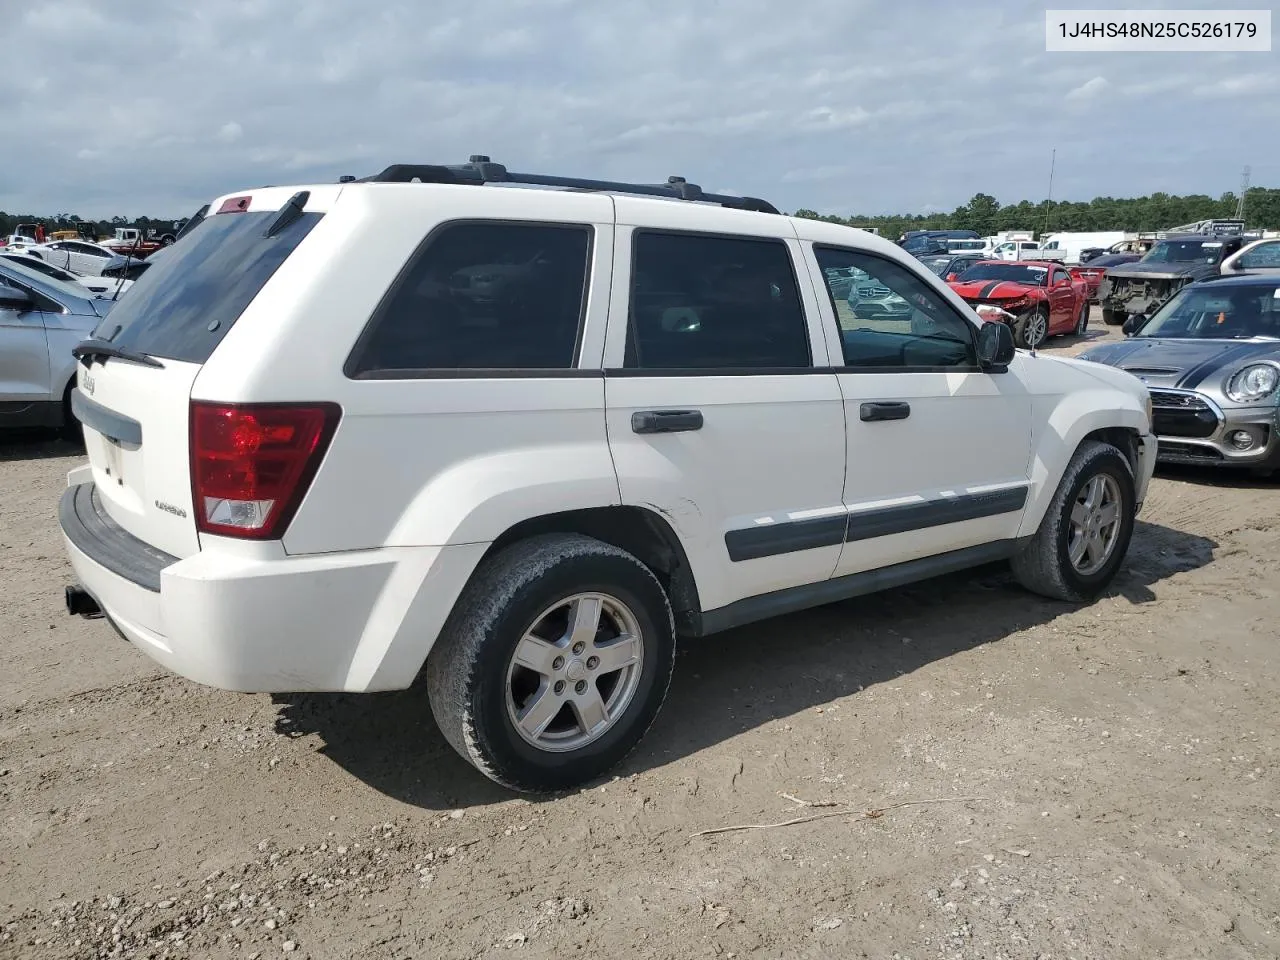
356	621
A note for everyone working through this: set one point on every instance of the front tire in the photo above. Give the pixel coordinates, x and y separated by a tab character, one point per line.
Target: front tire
554	662
1084	535
1113	318
1031	328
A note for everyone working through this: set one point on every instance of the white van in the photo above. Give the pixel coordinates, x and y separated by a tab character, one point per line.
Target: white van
1071	244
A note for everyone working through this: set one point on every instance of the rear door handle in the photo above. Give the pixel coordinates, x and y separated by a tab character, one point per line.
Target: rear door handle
666	421
884	410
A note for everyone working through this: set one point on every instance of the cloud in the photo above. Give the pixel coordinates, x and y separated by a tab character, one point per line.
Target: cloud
1089	90
841	106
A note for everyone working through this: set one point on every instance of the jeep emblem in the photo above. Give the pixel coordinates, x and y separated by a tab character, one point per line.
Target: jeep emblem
86	384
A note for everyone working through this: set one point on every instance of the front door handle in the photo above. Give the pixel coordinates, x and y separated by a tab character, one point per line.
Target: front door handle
884	410
666	421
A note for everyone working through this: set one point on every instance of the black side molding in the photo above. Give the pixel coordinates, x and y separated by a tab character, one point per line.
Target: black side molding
768	540
771	539
110	424
864	525
794	599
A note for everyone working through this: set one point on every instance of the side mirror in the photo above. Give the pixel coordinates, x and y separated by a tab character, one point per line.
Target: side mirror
11	298
1130	326
995	345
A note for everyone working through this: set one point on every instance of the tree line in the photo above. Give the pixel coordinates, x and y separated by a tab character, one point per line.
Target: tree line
982	213
1158	211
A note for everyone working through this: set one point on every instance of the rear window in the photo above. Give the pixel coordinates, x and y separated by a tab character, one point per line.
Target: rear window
184	304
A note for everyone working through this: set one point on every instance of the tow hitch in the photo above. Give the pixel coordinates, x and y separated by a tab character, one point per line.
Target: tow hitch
81	604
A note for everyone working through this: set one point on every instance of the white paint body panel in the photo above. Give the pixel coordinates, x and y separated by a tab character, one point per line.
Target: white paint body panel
424	474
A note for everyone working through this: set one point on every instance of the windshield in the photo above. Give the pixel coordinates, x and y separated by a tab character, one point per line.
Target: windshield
1185	251
41	282
1218	313
1017	272
937	264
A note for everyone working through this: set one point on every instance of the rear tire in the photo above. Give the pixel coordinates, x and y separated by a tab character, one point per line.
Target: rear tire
513	687
1113	318
1045	565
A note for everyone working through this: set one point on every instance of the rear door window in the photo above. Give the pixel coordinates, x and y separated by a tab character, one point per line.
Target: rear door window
184	304
714	303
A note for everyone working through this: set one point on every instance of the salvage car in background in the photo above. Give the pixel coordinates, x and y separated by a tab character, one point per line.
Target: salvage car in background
1142	287
79	256
1210	357
949	267
97	286
1093	272
1038	300
41	320
1261	256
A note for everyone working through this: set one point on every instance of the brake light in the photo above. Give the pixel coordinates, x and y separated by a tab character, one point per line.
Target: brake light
235	205
251	464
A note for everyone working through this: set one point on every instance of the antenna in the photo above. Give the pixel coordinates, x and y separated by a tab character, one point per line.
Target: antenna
1244	189
1053	160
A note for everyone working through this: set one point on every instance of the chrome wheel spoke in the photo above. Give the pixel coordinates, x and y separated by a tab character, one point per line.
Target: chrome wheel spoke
584	620
1079	515
534	653
1108	513
540	711
590	710
1077	548
1094	550
619	653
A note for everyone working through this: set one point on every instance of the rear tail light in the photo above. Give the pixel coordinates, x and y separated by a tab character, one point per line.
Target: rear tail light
251	464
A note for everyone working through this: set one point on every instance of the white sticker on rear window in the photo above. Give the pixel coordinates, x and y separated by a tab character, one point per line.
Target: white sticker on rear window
1211	243
1276	295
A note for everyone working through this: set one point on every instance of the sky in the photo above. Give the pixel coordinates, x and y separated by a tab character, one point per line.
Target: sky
153	107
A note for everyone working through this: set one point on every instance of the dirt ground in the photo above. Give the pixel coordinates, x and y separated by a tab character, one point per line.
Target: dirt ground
1011	778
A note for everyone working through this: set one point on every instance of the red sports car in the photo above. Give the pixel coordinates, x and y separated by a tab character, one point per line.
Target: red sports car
1037	298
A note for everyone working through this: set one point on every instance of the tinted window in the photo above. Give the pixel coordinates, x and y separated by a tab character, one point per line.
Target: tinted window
701	302
1263	255
1185	251
893	318
1213	312
183	305
1017	272
483	296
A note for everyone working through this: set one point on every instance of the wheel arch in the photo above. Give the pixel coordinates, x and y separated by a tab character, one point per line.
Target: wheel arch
642	532
1108	415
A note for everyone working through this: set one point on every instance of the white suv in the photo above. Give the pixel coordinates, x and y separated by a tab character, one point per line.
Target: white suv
523	439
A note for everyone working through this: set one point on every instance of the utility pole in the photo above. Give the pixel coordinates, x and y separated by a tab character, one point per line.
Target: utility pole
1049	200
1244	188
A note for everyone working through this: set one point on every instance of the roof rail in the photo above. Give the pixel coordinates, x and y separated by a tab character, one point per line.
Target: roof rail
480	170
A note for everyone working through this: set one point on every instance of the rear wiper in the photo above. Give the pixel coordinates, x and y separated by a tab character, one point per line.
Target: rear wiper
88	350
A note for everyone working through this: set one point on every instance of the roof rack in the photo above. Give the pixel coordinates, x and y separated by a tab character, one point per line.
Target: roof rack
480	170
